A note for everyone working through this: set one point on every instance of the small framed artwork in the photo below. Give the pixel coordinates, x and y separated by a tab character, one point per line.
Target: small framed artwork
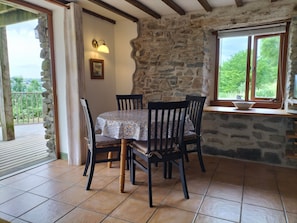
97	68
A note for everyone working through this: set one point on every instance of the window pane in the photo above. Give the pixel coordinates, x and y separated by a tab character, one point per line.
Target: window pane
267	67
232	68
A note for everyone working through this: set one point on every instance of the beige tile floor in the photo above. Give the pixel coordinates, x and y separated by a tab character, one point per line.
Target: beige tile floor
230	191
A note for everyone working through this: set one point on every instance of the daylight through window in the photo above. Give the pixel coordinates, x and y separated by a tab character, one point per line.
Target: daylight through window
251	65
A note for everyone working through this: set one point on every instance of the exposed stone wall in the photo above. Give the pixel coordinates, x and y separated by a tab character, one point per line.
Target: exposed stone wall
46	78
175	56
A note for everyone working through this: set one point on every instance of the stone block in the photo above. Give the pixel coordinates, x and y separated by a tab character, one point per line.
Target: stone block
249	154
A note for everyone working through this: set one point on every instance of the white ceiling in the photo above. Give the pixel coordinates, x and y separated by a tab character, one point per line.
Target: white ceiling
156	5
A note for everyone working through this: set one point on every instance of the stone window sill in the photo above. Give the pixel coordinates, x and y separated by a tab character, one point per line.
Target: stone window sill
252	111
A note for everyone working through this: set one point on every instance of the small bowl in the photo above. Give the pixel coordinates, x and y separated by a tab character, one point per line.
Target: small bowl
243	105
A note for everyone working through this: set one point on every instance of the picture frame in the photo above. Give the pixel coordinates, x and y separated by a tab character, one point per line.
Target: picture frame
97	68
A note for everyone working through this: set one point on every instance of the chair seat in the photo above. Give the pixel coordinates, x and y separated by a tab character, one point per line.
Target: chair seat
190	136
103	141
141	146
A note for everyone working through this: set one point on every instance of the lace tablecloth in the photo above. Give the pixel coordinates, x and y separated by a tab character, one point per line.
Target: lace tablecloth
128	124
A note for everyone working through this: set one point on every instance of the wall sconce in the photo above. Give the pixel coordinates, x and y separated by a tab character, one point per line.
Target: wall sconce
100	46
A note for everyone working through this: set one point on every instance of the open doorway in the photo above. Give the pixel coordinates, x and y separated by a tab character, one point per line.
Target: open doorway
26	83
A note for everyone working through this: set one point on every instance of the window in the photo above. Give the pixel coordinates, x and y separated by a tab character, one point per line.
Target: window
251	65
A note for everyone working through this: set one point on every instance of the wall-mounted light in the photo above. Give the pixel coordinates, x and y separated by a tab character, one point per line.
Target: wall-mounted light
100	46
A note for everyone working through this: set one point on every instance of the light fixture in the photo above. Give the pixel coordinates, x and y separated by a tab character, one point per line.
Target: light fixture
100	46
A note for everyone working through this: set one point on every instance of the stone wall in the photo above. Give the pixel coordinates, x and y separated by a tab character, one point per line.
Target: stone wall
46	78
175	56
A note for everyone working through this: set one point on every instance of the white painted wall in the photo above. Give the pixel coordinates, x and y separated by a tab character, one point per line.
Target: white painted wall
99	92
125	31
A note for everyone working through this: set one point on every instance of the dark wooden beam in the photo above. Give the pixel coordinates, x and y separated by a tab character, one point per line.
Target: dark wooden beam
174	6
144	8
98	16
114	10
205	5
273	0
59	2
239	3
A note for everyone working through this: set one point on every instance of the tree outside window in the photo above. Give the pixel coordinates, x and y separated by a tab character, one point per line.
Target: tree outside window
251	67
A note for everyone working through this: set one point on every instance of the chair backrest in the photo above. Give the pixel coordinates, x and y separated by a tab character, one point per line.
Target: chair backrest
195	110
166	122
129	101
89	124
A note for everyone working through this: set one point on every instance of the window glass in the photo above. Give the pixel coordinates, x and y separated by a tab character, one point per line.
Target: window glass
232	68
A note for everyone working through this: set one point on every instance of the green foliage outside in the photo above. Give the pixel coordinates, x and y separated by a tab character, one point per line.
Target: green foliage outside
232	73
26	100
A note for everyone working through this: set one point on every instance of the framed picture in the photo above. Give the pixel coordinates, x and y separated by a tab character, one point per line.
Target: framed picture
97	68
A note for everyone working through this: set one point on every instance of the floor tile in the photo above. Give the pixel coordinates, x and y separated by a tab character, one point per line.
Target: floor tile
79	215
103	202
229	191
292	218
255	214
226	191
6	217
21	204
260	171
177	199
113	220
219	208
74	195
262	198
228	179
48	212
171	214
290	202
50	188
133	210
262	184
29	182
7	193
207	219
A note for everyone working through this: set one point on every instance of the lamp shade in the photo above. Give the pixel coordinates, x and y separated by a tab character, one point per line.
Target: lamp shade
103	48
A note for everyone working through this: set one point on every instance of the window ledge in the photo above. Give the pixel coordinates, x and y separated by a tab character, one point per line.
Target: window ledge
252	111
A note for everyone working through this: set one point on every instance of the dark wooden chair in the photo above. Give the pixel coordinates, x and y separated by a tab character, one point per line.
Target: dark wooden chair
166	122
97	144
129	101
195	111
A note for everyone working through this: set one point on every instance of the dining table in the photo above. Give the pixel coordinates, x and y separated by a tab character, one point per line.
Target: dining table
127	125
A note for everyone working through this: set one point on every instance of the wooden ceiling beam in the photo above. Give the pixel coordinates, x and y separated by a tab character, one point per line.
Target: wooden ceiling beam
144	8
239	3
205	5
174	6
114	10
89	12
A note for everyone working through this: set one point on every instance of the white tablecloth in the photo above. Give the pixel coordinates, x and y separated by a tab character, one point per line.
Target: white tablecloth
128	124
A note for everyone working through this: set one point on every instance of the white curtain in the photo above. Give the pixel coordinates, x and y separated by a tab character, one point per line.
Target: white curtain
75	86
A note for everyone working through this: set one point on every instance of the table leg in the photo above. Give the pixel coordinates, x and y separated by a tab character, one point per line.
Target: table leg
122	164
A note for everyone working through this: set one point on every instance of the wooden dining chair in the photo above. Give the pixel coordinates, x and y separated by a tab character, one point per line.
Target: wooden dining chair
97	144
166	122
195	111
129	101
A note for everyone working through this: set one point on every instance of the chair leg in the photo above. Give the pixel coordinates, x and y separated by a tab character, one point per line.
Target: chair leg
128	157
93	162
183	177
87	163
149	173
109	156
199	152
186	153
132	167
